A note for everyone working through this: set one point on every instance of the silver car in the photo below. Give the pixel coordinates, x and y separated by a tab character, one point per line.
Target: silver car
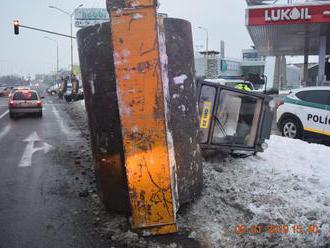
25	102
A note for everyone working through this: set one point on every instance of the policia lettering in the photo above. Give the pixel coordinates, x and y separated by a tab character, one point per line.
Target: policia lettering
318	119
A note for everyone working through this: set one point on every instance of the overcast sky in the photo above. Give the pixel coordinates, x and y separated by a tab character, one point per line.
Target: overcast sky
30	52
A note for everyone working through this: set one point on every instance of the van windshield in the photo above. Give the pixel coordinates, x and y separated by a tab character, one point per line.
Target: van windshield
236	119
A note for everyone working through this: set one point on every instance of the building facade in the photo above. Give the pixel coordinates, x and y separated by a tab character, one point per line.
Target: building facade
212	65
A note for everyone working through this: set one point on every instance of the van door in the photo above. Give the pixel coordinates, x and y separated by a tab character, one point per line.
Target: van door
206	106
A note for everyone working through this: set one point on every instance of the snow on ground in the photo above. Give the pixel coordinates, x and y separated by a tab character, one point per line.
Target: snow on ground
299	157
286	185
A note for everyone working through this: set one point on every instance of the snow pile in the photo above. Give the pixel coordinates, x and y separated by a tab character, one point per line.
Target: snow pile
296	156
79	105
77	111
286	185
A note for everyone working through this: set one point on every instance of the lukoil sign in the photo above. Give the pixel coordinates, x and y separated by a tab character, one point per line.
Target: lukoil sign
288	14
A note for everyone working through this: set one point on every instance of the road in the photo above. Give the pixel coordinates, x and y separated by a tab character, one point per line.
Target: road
39	182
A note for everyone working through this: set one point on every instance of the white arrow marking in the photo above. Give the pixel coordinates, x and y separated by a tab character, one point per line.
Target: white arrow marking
4	114
26	160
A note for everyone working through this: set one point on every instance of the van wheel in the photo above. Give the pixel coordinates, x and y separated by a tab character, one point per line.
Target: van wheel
291	129
40	115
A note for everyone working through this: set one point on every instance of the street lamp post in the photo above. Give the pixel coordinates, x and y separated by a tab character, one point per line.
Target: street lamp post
207	40
207	50
71	28
57	59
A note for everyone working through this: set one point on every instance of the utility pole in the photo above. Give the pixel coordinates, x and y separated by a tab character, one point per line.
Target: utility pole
71	28
207	50
207	39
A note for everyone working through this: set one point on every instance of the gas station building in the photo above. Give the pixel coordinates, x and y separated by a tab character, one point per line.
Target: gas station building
295	29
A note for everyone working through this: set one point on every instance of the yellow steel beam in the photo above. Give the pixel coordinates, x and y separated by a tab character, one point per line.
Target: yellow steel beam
142	114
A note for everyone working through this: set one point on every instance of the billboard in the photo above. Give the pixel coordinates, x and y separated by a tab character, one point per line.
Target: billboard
85	17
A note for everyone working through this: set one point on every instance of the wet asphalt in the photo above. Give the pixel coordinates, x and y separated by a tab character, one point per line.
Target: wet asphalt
39	194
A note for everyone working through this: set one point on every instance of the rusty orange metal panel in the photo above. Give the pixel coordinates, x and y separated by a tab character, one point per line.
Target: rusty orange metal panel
130	3
141	104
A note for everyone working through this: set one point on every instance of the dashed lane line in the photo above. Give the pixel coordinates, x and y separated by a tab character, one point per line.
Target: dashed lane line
4	114
5	131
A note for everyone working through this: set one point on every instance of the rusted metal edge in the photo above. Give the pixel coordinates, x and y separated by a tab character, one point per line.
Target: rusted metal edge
121	4
167	98
158	230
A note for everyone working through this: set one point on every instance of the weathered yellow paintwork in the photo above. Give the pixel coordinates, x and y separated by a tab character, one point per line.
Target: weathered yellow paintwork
141	103
206	115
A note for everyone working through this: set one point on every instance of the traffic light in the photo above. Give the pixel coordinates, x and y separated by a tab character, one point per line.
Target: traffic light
16	27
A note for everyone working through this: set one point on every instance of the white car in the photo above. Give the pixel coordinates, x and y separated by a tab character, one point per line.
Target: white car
25	102
305	113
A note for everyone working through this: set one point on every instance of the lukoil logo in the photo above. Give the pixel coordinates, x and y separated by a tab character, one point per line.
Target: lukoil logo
287	14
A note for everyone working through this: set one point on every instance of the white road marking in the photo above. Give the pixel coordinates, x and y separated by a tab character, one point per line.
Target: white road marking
5	131
26	160
4	114
59	119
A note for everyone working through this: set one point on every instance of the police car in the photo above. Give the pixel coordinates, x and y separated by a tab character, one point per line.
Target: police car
305	113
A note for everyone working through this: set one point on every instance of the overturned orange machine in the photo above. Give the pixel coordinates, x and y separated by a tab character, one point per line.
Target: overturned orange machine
140	94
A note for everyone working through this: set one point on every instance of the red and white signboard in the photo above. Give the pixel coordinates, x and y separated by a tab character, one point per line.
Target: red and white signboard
288	15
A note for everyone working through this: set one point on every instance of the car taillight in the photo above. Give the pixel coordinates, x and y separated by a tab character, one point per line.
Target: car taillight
39	104
11	103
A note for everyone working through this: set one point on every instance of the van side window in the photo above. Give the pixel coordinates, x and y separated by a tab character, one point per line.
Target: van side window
315	96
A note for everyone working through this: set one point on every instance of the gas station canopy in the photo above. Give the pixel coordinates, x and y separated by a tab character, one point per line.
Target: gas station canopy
290	29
